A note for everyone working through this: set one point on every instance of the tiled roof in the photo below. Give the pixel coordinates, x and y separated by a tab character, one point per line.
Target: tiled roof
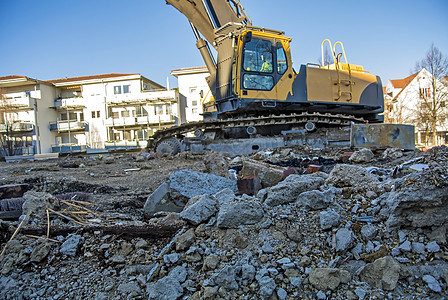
9	77
402	83
89	77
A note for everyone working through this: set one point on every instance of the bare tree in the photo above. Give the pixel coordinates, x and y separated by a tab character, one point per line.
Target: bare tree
431	111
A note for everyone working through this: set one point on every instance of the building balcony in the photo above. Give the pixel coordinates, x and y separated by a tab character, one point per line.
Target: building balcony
143	97
69	103
19	102
68	148
133	121
65	126
17	127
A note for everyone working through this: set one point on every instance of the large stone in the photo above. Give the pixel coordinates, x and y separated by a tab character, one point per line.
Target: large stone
166	288
383	273
328	219
433	284
71	245
267	287
328	278
201	210
191	183
240	211
315	199
362	156
289	189
160	200
226	278
416	208
40	252
345	239
352	176
185	240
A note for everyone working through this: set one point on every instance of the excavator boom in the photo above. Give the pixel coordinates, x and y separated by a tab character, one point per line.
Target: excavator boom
208	15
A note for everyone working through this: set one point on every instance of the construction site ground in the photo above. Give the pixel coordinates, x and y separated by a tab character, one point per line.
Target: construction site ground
367	225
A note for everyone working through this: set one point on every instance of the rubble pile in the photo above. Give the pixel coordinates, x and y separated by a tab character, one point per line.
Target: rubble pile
369	227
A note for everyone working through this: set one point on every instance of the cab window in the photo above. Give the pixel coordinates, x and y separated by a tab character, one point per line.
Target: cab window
258	64
282	65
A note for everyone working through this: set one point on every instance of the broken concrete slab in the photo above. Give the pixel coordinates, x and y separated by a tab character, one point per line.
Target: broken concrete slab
269	174
160	200
364	155
288	190
240	211
200	211
191	183
172	195
352	176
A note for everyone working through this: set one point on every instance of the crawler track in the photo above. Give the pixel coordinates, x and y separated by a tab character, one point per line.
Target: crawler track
325	119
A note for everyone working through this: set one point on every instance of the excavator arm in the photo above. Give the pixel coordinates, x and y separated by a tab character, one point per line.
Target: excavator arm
208	15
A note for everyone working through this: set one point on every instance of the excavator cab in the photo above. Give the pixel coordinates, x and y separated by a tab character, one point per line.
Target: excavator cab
264	66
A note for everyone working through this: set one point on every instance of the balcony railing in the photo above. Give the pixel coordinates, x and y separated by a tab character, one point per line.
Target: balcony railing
68	148
19	102
142	97
132	121
69	102
63	126
16	127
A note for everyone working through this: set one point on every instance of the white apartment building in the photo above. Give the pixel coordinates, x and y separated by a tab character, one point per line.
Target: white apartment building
193	85
402	98
107	111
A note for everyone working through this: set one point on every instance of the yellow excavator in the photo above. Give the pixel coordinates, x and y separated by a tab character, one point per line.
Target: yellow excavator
258	96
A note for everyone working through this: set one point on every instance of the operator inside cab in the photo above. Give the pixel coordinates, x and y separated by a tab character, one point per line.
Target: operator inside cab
267	63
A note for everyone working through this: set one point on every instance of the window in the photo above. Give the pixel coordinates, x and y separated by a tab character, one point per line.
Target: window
258	82
95	114
141	111
126	89
258	56
117	89
282	66
257	63
194	103
168	109
193	90
115	115
158	109
425	92
125	114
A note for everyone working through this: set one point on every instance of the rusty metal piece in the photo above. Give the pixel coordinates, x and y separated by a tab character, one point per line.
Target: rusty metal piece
249	185
382	136
313	169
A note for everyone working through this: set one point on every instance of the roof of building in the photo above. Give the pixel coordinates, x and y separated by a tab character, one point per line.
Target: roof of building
192	70
9	77
402	83
90	77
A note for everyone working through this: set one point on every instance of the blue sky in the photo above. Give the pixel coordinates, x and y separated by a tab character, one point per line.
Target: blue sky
51	39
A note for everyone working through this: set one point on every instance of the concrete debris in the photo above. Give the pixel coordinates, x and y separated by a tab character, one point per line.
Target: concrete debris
288	190
363	155
240	211
374	230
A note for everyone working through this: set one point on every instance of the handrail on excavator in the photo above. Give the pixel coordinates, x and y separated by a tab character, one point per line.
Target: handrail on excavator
331	50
